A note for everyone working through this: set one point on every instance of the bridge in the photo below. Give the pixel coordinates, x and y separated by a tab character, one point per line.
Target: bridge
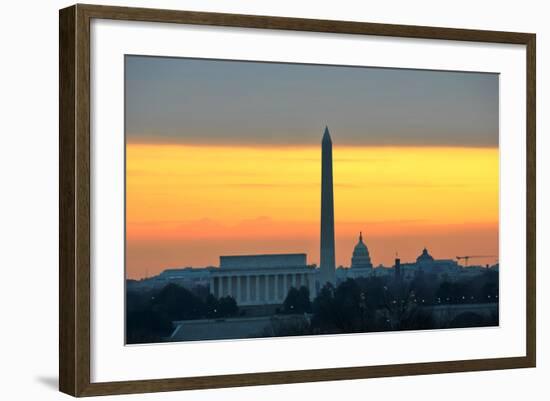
444	314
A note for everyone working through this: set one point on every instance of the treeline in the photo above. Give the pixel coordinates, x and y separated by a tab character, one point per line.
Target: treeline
430	290
150	313
356	305
373	304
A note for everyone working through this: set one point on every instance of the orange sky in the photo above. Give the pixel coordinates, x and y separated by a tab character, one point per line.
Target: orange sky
186	205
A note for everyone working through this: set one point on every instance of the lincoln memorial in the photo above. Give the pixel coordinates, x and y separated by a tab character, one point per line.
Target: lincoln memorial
261	279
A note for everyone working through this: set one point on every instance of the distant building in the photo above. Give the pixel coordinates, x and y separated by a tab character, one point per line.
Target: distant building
262	261
397	269
445	269
425	258
426	263
187	277
361	264
361	258
261	279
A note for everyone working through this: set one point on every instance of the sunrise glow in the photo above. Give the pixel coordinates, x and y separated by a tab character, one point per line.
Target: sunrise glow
187	204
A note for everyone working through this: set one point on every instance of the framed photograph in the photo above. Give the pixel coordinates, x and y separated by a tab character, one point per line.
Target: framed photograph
250	200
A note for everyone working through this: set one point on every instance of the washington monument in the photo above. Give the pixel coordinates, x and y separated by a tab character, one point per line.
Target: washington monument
328	272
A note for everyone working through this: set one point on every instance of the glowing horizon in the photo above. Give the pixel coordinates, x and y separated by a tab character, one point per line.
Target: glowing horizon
189	204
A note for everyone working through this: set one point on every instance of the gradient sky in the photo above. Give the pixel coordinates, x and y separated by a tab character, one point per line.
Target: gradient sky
223	157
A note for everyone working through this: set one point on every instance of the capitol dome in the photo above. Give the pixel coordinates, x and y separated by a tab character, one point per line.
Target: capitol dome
361	257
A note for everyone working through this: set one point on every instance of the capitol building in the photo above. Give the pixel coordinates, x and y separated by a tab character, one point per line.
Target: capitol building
361	257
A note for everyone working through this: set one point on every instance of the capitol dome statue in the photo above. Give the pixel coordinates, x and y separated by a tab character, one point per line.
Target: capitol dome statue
361	257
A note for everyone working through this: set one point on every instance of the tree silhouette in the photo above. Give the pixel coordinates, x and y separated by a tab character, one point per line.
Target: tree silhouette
297	301
227	306
177	303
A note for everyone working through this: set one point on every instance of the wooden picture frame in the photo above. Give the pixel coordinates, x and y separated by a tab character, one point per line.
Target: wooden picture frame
74	199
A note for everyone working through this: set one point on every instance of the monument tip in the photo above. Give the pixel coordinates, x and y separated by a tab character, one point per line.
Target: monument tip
326	135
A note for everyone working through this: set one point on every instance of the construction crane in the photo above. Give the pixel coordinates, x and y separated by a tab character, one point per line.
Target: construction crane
468	257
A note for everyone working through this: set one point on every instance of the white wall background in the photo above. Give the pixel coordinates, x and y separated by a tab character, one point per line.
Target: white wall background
29	182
